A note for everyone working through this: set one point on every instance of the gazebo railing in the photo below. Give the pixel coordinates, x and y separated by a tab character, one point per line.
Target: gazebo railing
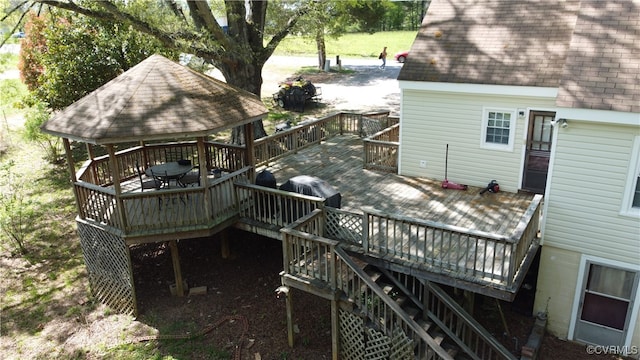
230	157
218	156
158	211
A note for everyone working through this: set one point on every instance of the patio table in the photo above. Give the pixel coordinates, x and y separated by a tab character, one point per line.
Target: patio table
168	171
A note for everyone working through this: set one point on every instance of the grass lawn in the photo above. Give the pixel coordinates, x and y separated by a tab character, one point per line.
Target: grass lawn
353	45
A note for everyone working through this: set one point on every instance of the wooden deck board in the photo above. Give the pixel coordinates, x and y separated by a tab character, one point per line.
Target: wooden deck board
339	162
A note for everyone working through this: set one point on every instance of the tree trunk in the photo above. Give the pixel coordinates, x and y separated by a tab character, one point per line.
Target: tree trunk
322	50
245	75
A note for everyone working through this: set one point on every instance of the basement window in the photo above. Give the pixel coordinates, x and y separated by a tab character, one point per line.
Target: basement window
498	129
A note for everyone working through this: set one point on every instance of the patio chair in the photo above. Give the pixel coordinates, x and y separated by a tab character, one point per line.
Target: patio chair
147	183
192	178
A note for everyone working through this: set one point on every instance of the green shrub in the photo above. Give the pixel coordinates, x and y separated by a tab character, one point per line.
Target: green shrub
16	211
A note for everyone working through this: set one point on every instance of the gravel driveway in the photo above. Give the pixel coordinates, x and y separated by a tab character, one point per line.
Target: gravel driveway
368	88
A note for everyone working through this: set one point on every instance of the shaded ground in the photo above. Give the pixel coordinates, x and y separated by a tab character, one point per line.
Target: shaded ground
244	285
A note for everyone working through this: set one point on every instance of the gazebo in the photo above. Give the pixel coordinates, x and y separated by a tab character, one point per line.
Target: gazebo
157	112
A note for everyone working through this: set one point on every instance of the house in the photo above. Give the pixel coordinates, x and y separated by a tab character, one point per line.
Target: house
542	97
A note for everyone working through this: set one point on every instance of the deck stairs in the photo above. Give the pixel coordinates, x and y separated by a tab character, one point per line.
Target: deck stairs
452	327
442	319
388	312
413	308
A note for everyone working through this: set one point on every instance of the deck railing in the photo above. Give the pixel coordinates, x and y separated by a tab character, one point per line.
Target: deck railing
525	234
381	150
460	252
158	211
310	255
218	156
468	334
272	206
451	249
298	137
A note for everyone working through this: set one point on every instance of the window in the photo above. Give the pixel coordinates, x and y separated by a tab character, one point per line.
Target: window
631	200
498	129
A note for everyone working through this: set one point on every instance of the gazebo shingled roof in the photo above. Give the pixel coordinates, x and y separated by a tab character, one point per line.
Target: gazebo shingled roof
156	99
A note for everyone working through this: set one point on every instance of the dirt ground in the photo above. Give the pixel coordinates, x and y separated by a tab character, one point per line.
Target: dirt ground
244	285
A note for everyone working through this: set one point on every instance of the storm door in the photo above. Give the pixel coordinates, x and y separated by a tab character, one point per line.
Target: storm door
536	162
605	305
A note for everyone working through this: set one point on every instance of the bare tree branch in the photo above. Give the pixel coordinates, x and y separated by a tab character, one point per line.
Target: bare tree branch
277	38
15	27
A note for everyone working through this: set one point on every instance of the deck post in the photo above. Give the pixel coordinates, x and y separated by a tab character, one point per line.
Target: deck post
289	304
224	244
115	174
145	155
203	172
175	259
90	156
365	231
426	301
335	329
72	171
248	142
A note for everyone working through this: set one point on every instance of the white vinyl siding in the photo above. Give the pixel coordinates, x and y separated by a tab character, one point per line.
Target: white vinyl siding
432	120
589	176
631	202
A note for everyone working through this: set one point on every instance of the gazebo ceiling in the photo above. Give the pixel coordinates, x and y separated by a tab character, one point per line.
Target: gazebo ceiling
155	100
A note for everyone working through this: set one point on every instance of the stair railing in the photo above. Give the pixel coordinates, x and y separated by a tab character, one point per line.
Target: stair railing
468	334
308	255
380	308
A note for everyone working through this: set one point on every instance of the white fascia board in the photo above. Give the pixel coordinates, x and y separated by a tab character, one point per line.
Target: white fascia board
504	90
600	116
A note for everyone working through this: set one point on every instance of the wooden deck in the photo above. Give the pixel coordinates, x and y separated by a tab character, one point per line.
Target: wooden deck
339	161
482	243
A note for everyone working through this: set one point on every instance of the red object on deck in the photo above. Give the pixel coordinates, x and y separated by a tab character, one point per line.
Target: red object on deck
446	184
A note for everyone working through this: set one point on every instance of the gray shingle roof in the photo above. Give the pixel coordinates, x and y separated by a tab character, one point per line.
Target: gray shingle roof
501	42
602	70
156	99
588	49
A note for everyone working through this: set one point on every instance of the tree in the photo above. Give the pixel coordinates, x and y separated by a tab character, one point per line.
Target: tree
66	56
333	18
238	51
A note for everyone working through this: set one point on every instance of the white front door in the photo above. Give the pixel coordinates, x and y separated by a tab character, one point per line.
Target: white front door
606	304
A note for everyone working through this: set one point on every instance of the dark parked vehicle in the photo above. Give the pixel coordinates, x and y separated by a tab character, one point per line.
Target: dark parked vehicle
295	94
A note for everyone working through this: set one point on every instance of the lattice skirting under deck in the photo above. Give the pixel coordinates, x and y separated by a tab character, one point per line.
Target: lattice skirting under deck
358	342
109	268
